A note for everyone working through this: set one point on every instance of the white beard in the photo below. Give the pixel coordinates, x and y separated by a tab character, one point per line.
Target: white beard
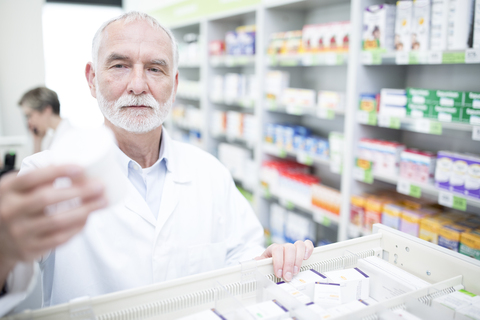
135	120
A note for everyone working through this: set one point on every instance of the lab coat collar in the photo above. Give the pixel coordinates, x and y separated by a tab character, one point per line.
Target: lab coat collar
175	179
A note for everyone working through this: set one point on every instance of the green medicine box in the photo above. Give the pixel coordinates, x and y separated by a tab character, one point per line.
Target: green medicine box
420	96
447	114
449	98
419	110
471	115
472	100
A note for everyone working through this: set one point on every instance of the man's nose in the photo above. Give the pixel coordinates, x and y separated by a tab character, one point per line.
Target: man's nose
138	81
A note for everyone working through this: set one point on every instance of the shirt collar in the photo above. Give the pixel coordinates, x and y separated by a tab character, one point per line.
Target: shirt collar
164	154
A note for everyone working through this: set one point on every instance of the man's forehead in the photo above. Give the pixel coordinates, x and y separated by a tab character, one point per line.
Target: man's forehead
135	31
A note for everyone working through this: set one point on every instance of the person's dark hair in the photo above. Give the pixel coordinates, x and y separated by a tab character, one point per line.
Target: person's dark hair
39	98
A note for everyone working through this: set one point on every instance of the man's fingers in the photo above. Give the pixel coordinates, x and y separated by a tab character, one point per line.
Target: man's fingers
46	176
288	261
308	249
49	195
277	258
299	255
75	218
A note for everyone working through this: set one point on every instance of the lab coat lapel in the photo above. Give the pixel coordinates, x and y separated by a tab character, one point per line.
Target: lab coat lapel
170	198
137	204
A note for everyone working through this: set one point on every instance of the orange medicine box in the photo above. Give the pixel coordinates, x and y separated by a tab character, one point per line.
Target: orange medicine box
470	244
357	210
430	226
373	210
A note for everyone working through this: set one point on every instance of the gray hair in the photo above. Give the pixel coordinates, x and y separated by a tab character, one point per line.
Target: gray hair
39	99
131	17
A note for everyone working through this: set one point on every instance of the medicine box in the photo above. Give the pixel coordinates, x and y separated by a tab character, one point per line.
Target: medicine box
391	215
451	302
476	26
305	280
470	244
439	26
379	27
326	198
410	222
369	102
449	235
294	292
460	19
331	100
393	102
403	26
356	280
417	166
268	310
357	210
443	171
471	312
388	281
211	314
421	25
430	226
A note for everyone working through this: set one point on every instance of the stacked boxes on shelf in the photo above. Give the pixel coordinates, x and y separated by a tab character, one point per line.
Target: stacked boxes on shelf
239	162
441	105
297	139
240	42
234	125
189	89
315	38
187	117
450	229
420	25
459	173
278	93
385	155
234	87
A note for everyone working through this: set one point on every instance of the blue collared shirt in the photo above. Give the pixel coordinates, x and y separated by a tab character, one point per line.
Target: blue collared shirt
148	182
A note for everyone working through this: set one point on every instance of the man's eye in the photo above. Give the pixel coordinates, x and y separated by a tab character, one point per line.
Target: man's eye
118	66
155	70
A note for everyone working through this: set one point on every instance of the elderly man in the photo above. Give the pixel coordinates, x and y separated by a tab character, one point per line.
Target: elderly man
183	214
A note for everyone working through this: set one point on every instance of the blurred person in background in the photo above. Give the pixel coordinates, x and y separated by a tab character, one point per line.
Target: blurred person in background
42	110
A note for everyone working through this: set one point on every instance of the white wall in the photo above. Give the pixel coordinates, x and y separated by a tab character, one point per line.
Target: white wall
21	57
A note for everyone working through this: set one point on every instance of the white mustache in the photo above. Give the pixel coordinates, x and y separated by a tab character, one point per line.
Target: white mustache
146	100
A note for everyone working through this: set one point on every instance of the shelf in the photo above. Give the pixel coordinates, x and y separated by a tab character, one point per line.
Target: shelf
273	150
242	103
234	140
232	61
421	125
319	215
185	126
310	111
429	190
308	59
192	97
469	56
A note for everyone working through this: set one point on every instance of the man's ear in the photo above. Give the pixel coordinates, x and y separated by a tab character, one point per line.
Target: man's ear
90	75
48	109
175	86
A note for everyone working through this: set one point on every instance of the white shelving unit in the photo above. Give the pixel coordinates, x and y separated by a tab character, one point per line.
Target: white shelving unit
354	72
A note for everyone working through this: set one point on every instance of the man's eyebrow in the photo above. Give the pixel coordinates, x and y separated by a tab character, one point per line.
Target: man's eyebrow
116	56
160	62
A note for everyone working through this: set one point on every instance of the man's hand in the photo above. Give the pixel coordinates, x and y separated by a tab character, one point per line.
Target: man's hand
26	232
288	258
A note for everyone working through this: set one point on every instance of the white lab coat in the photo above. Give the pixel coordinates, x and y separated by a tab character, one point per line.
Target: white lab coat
204	224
